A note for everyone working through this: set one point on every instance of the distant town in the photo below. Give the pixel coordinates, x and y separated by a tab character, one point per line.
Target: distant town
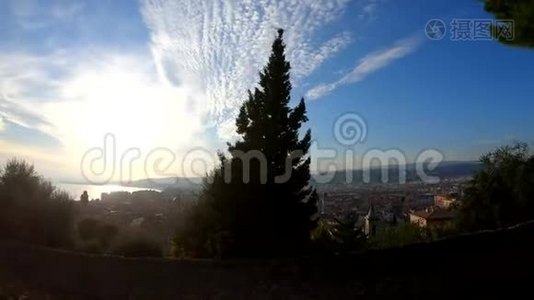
374	205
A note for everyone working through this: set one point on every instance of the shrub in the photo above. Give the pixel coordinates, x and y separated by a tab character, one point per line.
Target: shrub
87	229
94	230
501	193
31	209
106	234
398	236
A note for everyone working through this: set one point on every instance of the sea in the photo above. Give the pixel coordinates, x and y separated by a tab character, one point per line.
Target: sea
94	191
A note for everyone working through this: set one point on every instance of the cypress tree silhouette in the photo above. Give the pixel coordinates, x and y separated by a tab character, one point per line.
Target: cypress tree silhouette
256	210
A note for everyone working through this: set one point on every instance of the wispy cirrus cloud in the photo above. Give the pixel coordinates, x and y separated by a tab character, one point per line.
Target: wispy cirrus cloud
20	115
218	47
203	56
31	15
369	9
26	83
367	65
71	100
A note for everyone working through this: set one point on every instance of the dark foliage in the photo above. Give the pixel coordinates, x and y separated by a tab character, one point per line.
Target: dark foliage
87	229
248	208
31	209
502	193
84	198
93	230
138	247
341	237
521	12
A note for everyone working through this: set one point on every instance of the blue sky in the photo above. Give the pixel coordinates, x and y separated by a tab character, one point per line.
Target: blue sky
172	74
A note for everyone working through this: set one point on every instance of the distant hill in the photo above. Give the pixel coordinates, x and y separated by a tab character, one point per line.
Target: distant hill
167	182
446	170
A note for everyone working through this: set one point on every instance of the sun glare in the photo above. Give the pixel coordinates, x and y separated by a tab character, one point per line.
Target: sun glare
138	110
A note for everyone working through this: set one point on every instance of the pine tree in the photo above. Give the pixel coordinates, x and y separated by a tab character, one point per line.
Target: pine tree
521	12
257	212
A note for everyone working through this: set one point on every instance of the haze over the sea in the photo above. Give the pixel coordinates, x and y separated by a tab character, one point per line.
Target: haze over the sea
94	191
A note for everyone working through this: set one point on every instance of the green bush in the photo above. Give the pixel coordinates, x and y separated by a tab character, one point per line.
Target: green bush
408	233
340	237
31	209
398	236
501	194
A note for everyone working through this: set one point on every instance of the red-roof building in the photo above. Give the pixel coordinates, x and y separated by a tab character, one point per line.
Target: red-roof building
434	216
444	201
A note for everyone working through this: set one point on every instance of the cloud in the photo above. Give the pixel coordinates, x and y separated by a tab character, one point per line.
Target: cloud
21	116
203	56
82	96
25	81
65	10
30	78
366	66
32	14
49	163
218	47
369	9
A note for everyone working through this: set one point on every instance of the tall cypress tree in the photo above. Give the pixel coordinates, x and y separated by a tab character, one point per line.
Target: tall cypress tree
256	210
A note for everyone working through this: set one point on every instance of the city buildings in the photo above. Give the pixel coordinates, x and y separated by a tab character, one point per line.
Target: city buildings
432	216
445	201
